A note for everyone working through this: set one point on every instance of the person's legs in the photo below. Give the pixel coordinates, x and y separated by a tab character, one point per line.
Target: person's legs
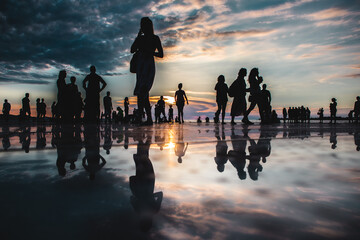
223	108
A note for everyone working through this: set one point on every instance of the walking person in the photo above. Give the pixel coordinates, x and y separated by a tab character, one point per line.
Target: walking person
221	98
255	93
26	105
238	91
145	46
180	98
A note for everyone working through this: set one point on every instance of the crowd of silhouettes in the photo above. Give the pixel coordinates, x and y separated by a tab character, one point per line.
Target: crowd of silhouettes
297	114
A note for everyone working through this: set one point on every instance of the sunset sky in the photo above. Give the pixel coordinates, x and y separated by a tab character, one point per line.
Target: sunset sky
307	51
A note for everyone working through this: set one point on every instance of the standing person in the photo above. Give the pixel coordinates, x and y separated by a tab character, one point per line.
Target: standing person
265	104
71	99
144	46
255	93
180	98
284	114
321	114
161	105
221	98
357	109
53	109
61	85
42	108
126	108
6	110
26	105
333	110
38	108
108	107
238	91
91	84
171	114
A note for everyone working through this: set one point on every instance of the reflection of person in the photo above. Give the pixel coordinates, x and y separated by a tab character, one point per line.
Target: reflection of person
68	144
180	98
221	149
254	166
6	141
221	98
237	156
91	84
180	147
333	138
357	140
91	161
145	45
25	138
238	91
144	201
107	139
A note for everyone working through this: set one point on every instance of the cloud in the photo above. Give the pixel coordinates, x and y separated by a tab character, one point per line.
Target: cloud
355	75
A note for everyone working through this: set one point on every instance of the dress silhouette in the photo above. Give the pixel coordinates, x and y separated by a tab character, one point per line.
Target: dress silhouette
91	84
238	91
144	201
255	93
145	46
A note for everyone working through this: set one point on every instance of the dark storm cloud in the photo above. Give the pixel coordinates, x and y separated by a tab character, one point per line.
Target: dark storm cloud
75	33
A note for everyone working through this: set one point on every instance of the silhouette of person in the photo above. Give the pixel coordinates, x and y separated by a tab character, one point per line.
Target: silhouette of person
333	110
284	114
199	120
6	110
144	201
40	137
42	109
321	114
91	161
68	144
180	98
221	149
221	98
61	97
356	140
26	105
180	147
79	106
108	107
25	138
145	45
255	93
238	91
237	156
161	105
357	109
265	103
6	140
53	109
38	110
107	139
91	84
171	113
126	108
71	96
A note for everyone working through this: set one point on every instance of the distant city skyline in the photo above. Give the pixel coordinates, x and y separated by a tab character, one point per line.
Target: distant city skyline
308	51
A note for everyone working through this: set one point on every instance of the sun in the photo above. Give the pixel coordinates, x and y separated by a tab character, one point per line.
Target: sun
169	100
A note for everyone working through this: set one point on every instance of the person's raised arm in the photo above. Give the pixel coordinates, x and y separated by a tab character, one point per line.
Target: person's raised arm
160	52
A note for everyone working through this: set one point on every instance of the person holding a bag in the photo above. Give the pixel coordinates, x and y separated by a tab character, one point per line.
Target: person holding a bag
144	47
238	90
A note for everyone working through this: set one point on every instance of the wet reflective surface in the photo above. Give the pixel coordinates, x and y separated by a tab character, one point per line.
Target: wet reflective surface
180	182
